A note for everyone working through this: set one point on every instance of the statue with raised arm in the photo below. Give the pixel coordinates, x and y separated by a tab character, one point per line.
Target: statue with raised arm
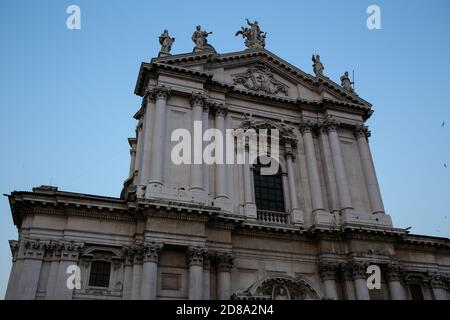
166	43
199	38
254	37
317	65
346	83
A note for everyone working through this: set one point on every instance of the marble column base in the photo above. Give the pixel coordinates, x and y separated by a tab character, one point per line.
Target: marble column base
250	211
379	219
297	217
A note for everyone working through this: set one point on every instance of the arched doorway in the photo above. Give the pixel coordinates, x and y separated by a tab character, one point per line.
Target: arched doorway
278	288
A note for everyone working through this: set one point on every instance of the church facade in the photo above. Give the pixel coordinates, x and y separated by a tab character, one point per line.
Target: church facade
311	230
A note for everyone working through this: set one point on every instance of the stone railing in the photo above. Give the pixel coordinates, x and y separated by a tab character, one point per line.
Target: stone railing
273	217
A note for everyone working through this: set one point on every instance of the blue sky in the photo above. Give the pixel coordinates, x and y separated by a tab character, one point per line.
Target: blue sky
66	96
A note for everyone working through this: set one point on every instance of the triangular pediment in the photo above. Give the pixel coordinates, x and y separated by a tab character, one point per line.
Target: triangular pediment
259	72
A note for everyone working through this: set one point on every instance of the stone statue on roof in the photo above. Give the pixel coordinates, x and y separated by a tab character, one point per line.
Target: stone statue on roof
317	65
166	43
199	38
254	37
346	83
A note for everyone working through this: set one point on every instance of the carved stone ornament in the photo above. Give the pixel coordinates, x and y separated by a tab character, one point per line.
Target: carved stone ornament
195	256
286	132
259	77
254	37
278	288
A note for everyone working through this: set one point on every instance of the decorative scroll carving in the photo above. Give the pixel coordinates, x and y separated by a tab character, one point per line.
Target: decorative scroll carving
437	280
259	77
286	131
278	288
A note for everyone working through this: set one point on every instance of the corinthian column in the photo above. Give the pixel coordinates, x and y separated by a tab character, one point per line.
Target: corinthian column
161	95
33	253
144	134
205	119
149	283
224	266
291	178
220	169
249	202
328	275
69	256
437	282
206	276
197	102
311	163
396	291
194	258
370	176
338	163
360	281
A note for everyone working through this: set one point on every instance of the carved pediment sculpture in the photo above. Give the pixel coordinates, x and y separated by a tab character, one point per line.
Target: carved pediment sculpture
286	131
259	77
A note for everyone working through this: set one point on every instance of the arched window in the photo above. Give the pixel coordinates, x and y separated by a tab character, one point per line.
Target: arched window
268	190
416	291
99	275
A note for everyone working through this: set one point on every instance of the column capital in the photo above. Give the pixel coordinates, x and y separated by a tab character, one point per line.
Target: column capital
34	248
359	269
306	126
327	270
289	154
195	256
151	252
361	131
330	124
158	92
437	280
206	260
393	272
224	261
347	271
198	99
220	109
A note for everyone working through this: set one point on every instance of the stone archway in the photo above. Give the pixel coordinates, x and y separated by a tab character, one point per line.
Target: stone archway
278	288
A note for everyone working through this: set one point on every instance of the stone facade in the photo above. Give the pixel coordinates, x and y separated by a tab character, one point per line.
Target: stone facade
195	231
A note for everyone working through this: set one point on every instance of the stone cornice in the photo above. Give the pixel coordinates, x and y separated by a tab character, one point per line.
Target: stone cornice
227	58
169	64
51	202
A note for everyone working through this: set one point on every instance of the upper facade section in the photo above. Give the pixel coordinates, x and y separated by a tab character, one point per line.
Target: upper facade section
254	73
